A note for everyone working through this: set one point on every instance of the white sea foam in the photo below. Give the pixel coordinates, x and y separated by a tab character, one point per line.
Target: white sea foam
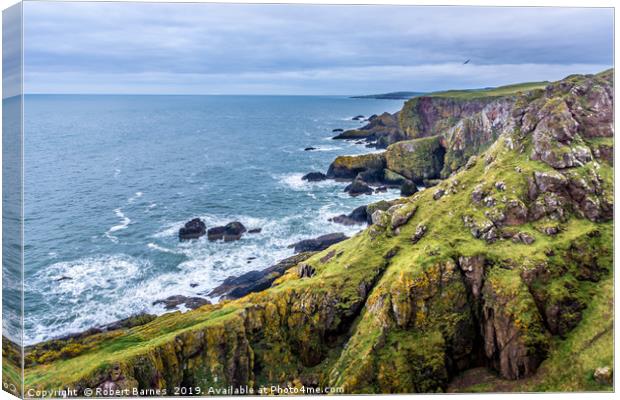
133	198
294	181
155	246
326	148
125	221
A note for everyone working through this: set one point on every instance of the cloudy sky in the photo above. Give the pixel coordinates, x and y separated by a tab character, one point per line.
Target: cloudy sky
304	49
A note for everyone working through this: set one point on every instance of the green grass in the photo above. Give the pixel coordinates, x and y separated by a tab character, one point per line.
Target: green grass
508	90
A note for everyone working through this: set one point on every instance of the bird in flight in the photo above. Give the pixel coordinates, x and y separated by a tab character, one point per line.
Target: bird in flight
467	62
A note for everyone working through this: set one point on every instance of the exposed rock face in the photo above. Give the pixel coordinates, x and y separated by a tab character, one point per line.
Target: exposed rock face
416	159
429	116
319	243
475	133
348	167
255	281
193	230
229	232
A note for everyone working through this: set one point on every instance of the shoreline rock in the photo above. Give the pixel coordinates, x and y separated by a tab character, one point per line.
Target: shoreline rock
235	287
319	243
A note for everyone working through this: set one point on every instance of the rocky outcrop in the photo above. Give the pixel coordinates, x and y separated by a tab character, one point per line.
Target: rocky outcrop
381	131
193	229
319	243
416	159
426	116
349	167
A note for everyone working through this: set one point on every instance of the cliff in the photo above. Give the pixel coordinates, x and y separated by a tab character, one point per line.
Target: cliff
507	265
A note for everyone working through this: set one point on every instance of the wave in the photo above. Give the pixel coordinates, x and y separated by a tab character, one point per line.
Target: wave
133	198
294	181
125	221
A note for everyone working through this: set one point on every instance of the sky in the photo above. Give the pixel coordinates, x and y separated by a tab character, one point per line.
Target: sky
193	48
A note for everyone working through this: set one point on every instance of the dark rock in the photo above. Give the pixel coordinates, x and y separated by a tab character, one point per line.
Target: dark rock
338	130
550	230
193	229
358	187
478	194
438	194
501	186
255	230
319	243
232	231
408	188
381	189
358	118
193	285
310	148
256	281
420	231
64	278
523	237
216	233
314	177
172	302
357	216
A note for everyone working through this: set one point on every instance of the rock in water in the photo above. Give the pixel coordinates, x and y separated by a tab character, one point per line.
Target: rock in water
193	229
172	302
216	233
358	118
358	187
310	148
232	231
338	130
319	243
314	177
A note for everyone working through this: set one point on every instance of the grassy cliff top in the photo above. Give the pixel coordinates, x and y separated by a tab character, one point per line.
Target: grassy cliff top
468	94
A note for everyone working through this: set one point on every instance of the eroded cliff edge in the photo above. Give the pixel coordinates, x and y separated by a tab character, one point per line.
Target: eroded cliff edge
506	264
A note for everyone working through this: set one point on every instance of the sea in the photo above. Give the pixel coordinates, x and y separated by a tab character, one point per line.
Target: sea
110	179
